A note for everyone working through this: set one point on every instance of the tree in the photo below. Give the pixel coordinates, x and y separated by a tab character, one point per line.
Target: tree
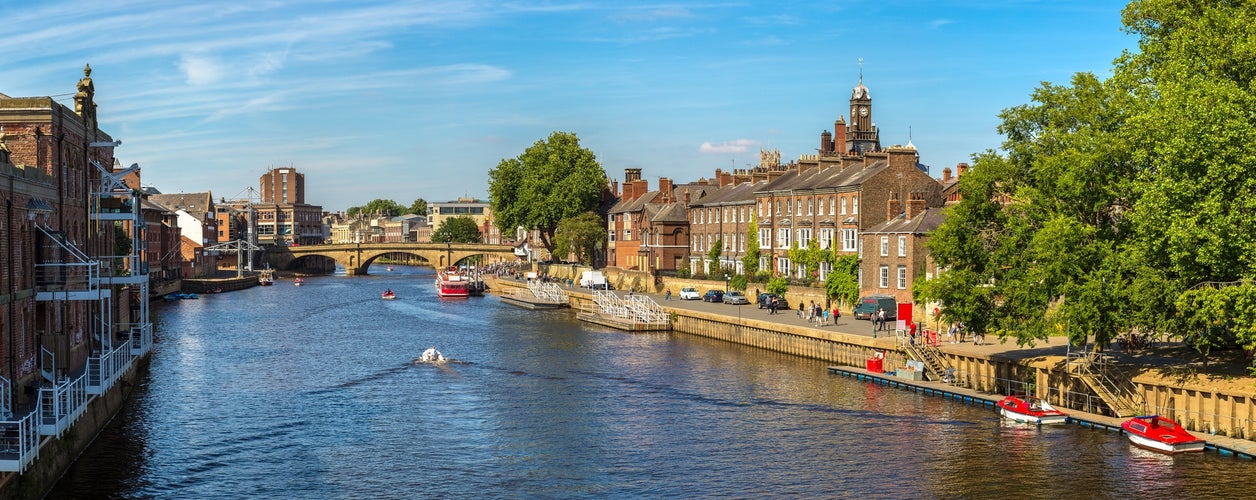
457	230
810	257
388	208
842	282
583	235
419	207
717	249
552	180
750	261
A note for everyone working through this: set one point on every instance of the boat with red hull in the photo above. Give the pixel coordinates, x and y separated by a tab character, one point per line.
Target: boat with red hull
388	295
451	285
1160	434
1031	410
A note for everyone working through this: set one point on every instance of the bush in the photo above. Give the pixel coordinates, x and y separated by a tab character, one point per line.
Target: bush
683	273
778	285
738	282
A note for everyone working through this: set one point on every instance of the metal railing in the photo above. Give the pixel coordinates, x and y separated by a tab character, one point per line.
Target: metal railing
61	405
1116	389
19	443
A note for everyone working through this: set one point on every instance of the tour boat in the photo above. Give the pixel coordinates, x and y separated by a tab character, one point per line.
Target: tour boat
267	278
388	295
1030	410
1160	434
450	284
298	282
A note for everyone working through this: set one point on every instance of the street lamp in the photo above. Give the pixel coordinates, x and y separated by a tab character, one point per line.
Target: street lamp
726	283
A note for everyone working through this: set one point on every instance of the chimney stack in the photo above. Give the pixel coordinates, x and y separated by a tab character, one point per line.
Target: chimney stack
639	188
960	169
685	197
946	175
665	187
915	205
826	143
894	207
725	178
839	135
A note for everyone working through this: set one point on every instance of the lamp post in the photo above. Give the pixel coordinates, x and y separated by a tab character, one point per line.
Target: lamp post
726	283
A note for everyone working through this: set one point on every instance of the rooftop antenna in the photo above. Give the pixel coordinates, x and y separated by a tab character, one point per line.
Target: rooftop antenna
860	70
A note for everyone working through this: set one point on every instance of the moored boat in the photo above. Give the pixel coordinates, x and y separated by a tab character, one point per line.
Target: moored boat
388	295
267	278
450	284
1157	433
1031	410
298	281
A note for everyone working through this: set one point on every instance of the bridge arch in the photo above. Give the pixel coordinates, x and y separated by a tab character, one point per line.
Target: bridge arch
357	258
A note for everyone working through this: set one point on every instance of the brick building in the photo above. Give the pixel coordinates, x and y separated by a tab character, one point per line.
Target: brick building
283	216
894	254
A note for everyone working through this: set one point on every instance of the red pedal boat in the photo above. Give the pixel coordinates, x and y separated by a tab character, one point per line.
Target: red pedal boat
1031	410
1160	434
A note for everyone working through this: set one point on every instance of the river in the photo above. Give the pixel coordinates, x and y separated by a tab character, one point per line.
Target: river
311	392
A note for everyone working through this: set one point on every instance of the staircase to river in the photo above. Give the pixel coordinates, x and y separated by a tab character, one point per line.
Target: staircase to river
1113	387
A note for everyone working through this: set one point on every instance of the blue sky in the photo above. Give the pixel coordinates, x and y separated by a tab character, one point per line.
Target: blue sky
419	99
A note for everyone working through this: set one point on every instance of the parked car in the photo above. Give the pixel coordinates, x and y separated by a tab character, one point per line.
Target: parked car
867	307
735	297
689	293
713	296
781	304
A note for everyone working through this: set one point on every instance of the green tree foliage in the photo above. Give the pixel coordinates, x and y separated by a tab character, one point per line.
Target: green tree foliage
121	239
1115	199
388	208
717	249
419	207
552	180
842	283
457	230
750	261
583	235
778	285
739	283
810	258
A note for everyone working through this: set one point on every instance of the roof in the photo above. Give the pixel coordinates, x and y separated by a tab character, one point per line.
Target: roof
731	194
195	204
923	223
669	212
634	205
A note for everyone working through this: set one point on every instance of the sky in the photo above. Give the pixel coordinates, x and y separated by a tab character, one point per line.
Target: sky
407	99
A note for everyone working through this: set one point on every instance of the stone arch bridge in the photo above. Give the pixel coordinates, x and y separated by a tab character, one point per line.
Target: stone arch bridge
357	257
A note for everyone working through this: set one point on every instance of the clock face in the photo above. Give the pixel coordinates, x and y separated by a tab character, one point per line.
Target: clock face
863	111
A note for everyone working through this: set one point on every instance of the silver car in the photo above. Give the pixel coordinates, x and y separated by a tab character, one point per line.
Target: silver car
735	297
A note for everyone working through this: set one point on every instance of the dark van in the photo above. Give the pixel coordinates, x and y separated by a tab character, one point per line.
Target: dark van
867	307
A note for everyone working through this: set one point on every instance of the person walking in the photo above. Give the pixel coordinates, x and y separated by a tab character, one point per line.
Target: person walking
800	308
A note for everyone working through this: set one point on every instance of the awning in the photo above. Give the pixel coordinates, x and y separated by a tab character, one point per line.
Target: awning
38	206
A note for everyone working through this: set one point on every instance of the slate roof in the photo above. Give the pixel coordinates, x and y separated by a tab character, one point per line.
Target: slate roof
923	223
195	204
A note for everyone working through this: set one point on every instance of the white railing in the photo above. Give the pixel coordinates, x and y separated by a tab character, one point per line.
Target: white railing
646	310
61	405
104	371
549	292
608	303
19	443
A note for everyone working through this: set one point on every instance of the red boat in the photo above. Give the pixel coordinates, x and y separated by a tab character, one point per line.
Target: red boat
450	284
388	295
1160	434
1031	410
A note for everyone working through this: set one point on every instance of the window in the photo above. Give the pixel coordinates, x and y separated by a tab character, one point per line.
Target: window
826	238
902	246
789	206
885	276
854	205
848	240
782	238
627	234
825	269
843	206
760	205
611	235
778	207
885	246
799	208
902	277
765	239
804	238
782	265
810	204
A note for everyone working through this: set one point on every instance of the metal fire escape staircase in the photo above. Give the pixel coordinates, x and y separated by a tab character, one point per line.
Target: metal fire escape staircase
64	272
1114	388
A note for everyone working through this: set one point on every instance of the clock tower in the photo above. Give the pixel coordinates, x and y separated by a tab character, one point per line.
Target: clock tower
861	136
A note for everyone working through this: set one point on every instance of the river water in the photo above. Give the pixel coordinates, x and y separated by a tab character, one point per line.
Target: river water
311	392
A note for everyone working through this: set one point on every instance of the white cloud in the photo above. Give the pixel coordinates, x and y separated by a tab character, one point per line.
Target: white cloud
735	146
198	70
938	23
